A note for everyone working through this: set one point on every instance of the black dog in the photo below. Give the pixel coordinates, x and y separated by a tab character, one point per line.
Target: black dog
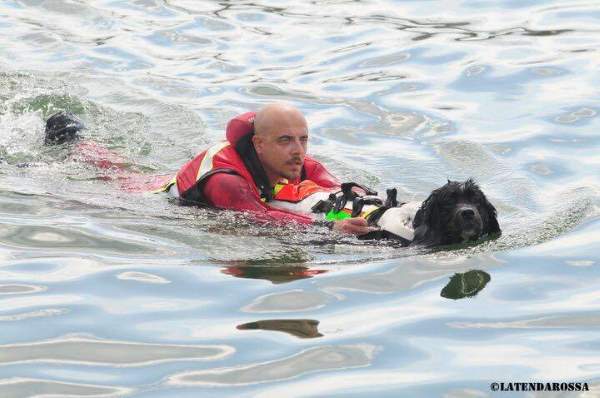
457	212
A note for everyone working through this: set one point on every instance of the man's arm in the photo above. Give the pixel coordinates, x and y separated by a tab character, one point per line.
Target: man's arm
230	191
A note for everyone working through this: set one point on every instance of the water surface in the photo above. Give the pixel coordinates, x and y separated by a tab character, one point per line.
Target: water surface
108	293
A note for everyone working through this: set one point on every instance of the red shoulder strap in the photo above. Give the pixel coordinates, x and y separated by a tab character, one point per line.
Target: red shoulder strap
239	126
297	192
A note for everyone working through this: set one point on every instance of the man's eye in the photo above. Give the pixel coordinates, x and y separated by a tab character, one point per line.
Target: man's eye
284	140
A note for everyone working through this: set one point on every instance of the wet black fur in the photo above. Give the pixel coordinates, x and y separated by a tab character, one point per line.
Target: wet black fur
434	222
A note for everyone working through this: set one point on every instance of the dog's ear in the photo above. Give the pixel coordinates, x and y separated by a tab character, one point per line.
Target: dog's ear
491	223
490	220
428	211
427	222
421	236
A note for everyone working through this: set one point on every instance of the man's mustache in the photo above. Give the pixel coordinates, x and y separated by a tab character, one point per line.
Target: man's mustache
294	161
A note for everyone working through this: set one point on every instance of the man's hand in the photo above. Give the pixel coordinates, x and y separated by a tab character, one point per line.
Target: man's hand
355	226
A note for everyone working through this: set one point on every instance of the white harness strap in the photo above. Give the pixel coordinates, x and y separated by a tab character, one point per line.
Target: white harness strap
398	220
304	207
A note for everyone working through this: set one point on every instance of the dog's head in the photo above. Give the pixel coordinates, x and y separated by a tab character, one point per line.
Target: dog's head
455	213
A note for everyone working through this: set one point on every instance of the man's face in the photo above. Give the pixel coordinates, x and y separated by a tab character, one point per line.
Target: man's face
282	151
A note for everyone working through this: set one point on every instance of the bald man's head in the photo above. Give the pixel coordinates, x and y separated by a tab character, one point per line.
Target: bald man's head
280	139
278	116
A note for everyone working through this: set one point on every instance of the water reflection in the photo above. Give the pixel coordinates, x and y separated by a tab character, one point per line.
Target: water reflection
313	360
302	328
465	284
25	387
88	351
295	300
274	273
502	91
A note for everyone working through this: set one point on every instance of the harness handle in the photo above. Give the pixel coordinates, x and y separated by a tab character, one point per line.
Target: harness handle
357	206
324	206
359	202
347	190
391	200
337	202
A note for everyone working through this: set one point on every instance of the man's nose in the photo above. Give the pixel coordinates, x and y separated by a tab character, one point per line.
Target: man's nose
297	147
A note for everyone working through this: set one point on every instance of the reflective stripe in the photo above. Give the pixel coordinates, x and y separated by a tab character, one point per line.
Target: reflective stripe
207	162
279	186
173	191
366	213
167	186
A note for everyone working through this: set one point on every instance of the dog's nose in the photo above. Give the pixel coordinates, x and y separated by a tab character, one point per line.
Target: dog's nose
467	214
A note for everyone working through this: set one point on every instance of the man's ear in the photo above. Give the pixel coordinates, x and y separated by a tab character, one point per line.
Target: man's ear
257	142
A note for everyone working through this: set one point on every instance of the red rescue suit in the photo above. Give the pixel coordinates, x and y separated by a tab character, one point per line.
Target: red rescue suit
229	175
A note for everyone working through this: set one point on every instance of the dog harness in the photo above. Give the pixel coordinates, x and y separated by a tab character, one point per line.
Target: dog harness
394	219
333	204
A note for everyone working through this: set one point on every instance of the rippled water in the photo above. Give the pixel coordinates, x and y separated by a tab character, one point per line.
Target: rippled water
108	293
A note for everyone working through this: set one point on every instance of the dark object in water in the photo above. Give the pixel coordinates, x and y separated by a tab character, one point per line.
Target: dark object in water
275	274
62	127
466	284
303	328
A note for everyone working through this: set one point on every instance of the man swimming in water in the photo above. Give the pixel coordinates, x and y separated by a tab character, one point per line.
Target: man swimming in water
262	151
